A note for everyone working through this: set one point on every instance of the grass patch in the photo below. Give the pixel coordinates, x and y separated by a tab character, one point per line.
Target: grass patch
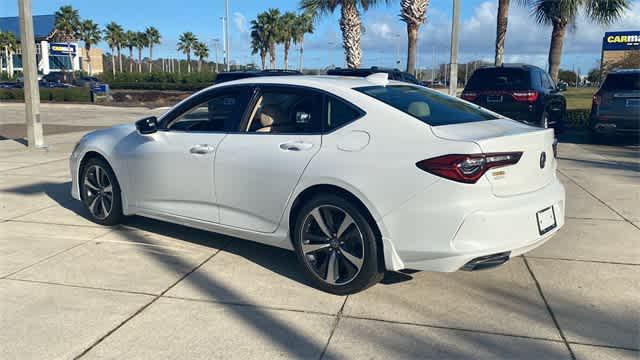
579	98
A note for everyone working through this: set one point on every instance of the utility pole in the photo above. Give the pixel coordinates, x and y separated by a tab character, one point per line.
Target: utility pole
35	138
453	69
433	67
216	44
226	33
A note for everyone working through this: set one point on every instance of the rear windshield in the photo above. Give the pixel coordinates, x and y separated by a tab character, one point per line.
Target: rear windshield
499	78
428	106
622	82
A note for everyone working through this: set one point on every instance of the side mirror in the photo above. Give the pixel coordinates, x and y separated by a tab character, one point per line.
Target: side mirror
562	87
148	125
303	117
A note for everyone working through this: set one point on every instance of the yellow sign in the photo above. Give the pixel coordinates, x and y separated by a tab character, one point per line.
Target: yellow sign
623	39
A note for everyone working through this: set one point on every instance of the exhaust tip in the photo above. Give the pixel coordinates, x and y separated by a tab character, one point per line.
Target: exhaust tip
487	261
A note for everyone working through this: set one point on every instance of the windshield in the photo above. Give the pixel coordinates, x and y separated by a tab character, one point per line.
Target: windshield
499	79
622	82
430	107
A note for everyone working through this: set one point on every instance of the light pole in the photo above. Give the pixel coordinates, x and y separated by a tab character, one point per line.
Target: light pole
226	33
453	68
216	44
35	138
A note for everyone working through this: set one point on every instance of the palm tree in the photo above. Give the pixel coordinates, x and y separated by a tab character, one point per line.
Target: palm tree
129	41
8	44
153	38
287	26
89	34
501	30
114	36
201	51
259	43
186	43
140	42
560	13
67	27
350	23
413	13
303	26
272	32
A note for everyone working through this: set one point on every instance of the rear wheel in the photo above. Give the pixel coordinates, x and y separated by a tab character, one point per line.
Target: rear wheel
336	245
544	120
100	192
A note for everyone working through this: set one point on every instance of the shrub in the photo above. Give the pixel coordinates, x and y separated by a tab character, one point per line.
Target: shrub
577	118
57	95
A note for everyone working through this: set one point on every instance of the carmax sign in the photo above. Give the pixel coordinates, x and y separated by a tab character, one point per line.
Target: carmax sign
621	40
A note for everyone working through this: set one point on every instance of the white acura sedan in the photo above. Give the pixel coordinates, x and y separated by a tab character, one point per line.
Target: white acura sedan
356	175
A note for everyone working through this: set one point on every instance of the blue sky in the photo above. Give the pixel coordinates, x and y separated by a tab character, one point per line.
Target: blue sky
385	35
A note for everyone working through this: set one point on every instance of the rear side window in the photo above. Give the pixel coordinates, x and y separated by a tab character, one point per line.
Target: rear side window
622	82
426	105
339	113
499	78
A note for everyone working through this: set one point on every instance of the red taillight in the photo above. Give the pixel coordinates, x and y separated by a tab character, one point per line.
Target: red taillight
596	99
525	96
467	168
469	96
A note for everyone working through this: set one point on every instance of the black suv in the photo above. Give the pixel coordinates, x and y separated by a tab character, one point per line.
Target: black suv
616	105
393	74
522	92
237	75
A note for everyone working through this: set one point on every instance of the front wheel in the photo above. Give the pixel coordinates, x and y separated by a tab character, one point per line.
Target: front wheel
100	192
336	245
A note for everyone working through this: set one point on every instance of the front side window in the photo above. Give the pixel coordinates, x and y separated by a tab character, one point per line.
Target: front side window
281	110
428	106
220	112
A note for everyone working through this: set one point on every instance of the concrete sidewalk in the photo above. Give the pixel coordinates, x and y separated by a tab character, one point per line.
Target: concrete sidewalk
70	288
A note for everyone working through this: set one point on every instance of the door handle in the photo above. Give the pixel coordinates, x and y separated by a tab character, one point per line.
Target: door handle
296	146
202	149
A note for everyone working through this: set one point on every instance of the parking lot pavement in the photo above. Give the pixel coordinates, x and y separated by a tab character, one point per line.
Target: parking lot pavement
147	289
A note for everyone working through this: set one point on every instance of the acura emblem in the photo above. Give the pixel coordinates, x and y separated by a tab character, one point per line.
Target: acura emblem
543	159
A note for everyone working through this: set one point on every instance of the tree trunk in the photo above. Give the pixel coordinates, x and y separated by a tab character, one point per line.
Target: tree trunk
263	59
200	65
119	59
555	50
412	40
9	55
113	61
188	62
130	59
350	26
301	54
86	50
287	45
150	57
1	63
501	30
139	60
272	56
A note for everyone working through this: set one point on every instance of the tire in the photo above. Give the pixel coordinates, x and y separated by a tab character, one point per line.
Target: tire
100	192
352	246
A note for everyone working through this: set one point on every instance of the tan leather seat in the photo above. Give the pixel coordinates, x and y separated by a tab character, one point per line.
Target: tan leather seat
419	109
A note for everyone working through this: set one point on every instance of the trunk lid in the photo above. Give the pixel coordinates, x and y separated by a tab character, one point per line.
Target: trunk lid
503	135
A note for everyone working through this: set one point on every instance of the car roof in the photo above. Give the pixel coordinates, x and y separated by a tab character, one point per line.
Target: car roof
511	66
316	81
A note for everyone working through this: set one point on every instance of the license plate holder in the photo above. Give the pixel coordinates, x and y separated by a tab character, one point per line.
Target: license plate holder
546	219
633	103
494	98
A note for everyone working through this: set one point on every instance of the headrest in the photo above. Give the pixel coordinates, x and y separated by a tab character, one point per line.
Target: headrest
269	114
419	109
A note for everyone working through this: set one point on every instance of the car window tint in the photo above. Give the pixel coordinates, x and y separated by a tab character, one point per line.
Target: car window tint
499	78
287	111
340	113
221	112
428	106
622	82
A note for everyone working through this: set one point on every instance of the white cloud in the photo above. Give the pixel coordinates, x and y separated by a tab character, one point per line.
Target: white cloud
240	22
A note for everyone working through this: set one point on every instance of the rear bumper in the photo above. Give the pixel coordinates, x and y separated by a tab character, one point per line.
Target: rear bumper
439	235
615	124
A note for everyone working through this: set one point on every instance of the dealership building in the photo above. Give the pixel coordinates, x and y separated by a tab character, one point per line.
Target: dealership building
51	56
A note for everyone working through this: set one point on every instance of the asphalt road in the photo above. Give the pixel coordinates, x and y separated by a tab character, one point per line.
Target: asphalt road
70	288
